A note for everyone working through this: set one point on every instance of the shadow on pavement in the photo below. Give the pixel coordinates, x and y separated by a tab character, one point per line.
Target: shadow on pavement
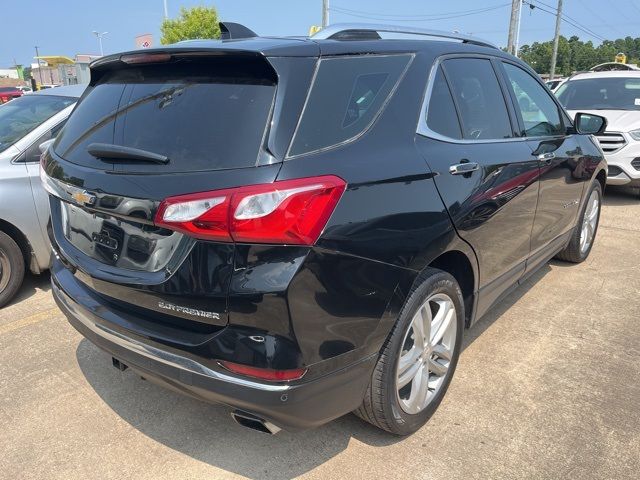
619	196
505	304
31	284
207	433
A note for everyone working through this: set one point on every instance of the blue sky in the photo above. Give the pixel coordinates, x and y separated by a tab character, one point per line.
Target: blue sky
63	27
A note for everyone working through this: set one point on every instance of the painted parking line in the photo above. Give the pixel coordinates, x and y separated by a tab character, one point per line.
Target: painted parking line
30	320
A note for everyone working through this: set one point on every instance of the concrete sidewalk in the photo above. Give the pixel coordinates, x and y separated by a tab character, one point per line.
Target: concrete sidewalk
548	386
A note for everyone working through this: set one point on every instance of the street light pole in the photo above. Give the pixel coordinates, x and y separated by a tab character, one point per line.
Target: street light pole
166	10
39	66
99	36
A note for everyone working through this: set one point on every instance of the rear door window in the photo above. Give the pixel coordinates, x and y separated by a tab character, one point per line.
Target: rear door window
202	115
477	93
346	97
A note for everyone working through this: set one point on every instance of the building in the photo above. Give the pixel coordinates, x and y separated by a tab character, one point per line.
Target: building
61	70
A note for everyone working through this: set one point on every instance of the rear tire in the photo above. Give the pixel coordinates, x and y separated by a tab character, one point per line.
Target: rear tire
389	402
11	268
576	251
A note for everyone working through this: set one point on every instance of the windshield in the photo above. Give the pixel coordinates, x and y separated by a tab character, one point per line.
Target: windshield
618	93
22	115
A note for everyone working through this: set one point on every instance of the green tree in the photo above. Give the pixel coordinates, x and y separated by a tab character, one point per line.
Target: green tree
574	55
192	23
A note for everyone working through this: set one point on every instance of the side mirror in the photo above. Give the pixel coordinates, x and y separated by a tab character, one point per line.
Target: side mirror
588	123
45	145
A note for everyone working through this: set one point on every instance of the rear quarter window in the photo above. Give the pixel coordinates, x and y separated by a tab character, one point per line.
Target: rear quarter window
347	95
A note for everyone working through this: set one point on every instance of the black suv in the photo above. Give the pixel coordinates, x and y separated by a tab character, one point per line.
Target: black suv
303	227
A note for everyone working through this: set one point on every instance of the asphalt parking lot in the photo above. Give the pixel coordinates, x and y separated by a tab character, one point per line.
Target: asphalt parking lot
548	386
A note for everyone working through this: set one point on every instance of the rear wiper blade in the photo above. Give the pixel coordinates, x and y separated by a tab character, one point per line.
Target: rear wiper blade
107	151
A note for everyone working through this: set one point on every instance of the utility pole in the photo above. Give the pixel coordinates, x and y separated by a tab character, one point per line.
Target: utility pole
517	35
166	10
39	66
514	26
325	13
556	38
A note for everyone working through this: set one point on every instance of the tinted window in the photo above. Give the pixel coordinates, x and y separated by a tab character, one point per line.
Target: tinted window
441	112
24	114
203	116
539	112
617	93
345	98
480	101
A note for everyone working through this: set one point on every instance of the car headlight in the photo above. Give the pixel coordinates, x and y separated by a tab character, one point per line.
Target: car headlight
635	134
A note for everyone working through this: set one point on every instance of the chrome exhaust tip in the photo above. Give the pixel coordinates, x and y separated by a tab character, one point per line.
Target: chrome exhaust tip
255	423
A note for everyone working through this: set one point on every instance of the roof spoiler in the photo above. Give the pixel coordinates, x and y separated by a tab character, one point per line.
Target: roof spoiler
230	30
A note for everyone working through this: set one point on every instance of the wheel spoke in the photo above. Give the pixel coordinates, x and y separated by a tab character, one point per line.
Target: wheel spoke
442	352
409	374
408	359
421	325
437	368
419	390
442	322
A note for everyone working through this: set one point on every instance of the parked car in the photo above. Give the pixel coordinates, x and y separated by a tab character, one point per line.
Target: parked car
24	89
9	93
616	96
555	83
25	123
300	235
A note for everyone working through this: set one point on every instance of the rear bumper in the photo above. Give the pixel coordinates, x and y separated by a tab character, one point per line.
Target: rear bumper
291	406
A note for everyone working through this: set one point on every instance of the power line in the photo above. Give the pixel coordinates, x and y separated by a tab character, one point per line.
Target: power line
566	20
611	27
576	21
411	16
417	18
569	19
633	4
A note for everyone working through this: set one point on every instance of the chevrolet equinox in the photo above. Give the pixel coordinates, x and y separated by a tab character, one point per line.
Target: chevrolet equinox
303	227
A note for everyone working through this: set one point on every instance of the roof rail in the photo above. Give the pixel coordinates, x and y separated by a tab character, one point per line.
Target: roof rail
370	31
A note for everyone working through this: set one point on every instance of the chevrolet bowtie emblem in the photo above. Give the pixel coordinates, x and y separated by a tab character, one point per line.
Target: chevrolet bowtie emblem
84	198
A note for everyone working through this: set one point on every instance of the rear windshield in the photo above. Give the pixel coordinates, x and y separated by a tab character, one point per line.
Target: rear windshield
201	115
616	93
22	115
345	99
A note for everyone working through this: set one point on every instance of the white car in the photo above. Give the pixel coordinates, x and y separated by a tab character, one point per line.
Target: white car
25	124
614	95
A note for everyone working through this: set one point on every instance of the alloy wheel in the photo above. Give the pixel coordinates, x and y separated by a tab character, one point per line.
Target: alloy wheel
427	350
589	222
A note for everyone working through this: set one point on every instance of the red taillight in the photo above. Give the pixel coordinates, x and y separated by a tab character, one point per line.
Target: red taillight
264	373
290	211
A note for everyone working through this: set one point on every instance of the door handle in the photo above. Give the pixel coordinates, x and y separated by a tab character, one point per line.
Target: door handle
462	168
546	157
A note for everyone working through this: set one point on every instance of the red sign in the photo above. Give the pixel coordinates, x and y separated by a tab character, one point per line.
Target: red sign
144	41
